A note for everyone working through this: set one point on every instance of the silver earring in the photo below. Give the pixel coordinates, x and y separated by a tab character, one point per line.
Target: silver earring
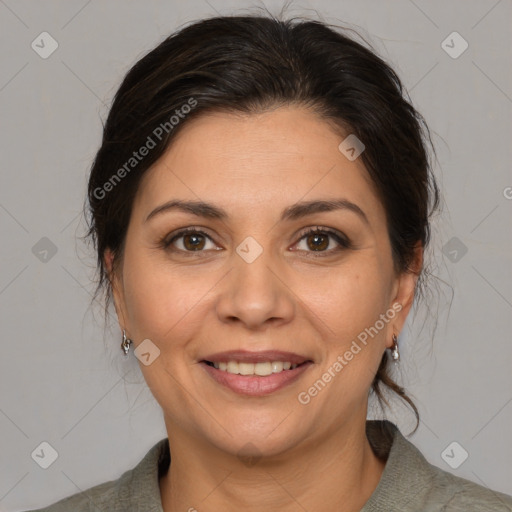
394	353
125	344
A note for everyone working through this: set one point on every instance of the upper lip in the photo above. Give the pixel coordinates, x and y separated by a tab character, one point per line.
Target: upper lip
256	357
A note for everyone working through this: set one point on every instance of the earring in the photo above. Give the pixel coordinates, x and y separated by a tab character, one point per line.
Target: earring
394	353
125	344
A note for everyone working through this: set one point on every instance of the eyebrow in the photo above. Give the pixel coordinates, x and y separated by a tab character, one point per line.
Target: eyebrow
293	212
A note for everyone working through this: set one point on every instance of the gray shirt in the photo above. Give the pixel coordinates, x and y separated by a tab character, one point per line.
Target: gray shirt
408	484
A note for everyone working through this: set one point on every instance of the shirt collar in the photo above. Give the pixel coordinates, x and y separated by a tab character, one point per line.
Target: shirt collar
402	481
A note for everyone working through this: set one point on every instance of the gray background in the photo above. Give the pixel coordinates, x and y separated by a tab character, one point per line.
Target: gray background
64	382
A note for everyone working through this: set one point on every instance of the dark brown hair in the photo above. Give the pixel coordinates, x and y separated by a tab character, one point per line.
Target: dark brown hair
250	64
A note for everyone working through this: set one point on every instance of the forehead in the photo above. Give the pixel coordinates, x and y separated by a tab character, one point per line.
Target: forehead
273	158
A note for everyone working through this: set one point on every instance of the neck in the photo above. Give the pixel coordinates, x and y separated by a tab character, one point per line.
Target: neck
338	472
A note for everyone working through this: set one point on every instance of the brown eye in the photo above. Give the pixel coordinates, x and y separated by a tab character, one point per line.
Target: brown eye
187	241
193	242
318	240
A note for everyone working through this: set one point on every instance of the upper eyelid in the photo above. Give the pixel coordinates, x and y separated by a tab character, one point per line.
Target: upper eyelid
332	232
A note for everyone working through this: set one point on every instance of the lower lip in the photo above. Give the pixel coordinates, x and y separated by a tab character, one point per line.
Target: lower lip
255	385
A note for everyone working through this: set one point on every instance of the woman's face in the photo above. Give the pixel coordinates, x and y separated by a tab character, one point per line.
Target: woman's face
255	281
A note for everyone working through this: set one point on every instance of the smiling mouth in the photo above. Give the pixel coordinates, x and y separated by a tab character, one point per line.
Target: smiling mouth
260	369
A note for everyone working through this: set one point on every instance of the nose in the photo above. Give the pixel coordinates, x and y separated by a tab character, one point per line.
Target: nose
256	294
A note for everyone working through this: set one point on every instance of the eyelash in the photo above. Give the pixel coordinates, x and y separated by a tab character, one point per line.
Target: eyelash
344	243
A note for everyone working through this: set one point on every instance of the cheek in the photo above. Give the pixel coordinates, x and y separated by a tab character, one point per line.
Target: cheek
157	304
353	338
169	304
347	300
155	297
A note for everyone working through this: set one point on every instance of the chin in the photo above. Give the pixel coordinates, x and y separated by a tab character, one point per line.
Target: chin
250	440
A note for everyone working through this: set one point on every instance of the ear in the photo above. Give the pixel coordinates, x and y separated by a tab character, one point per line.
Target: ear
403	292
116	283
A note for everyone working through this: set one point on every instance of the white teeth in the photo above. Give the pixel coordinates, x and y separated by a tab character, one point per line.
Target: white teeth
262	369
246	368
232	367
277	366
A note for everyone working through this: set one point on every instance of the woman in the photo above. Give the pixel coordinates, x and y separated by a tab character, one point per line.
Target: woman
260	206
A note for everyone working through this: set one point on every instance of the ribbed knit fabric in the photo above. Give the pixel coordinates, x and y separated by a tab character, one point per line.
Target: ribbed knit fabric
408	484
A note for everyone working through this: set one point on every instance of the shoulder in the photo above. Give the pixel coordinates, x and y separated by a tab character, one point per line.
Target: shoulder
90	500
410	483
458	494
136	489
